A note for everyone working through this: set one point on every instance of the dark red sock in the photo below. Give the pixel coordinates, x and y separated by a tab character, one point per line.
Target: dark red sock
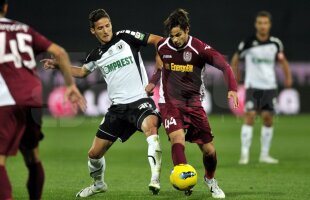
178	155
5	186
35	181
210	162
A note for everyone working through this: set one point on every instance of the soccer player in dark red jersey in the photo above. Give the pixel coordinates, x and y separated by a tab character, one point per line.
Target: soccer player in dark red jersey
21	98
184	58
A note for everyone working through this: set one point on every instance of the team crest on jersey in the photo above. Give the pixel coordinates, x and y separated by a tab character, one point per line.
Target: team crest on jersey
187	56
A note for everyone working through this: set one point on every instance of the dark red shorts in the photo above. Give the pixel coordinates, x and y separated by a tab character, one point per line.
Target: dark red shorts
20	128
193	119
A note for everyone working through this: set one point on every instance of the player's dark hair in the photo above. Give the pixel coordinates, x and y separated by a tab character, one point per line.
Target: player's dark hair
96	15
264	13
2	2
179	17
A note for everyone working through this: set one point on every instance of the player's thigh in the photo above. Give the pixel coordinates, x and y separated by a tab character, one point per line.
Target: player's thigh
33	133
269	100
12	126
199	130
114	127
172	118
252	98
143	114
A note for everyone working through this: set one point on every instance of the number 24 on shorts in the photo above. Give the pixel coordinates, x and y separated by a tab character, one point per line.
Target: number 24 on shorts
169	122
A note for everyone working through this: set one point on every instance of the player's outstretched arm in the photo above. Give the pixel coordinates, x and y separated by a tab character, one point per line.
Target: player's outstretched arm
72	93
53	63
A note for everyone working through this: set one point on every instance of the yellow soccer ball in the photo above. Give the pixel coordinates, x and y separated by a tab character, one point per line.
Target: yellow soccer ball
183	177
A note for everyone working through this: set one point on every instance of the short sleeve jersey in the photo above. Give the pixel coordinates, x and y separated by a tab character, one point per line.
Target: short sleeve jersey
260	59
182	70
19	44
121	66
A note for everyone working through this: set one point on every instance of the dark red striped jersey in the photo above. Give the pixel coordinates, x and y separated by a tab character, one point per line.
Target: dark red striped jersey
181	79
19	44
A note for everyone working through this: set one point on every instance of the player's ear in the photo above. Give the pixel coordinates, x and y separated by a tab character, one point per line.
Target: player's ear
92	30
187	30
5	8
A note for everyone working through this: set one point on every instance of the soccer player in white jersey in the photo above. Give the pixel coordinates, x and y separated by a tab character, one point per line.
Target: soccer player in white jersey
118	58
260	52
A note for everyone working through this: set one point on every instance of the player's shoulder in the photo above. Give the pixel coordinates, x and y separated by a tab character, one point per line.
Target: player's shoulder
93	55
13	25
247	42
162	42
198	44
130	34
275	40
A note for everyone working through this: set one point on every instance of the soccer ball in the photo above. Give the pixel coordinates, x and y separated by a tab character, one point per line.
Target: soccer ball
183	177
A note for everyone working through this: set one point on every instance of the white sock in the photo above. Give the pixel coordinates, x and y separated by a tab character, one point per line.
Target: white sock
246	139
96	169
154	156
266	138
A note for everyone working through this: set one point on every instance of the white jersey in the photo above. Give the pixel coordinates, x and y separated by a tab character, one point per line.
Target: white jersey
121	65
260	59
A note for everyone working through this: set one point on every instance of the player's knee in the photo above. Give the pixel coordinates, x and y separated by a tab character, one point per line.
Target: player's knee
94	154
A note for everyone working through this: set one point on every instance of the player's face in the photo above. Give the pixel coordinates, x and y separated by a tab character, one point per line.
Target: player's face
263	25
179	36
103	30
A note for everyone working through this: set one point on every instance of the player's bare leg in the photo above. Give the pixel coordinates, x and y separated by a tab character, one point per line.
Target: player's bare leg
246	137
210	163
35	172
6	188
96	167
149	127
266	138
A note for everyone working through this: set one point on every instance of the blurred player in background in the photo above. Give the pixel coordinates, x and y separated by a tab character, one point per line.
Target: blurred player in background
184	58
21	98
260	52
119	60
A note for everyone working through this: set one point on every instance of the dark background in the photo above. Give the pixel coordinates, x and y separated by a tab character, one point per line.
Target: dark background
220	23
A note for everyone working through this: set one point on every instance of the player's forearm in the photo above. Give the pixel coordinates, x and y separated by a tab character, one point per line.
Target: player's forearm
220	63
77	72
235	66
286	70
64	66
230	79
156	76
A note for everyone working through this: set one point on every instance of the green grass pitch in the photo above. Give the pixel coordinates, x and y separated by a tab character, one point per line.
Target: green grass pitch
64	154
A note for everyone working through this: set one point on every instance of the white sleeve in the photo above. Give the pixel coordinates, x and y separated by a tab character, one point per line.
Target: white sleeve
91	66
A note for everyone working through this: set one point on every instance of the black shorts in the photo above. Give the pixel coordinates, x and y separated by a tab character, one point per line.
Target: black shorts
260	100
123	120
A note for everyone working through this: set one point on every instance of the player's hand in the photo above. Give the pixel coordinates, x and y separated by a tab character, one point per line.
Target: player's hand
234	96
49	63
149	89
73	94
